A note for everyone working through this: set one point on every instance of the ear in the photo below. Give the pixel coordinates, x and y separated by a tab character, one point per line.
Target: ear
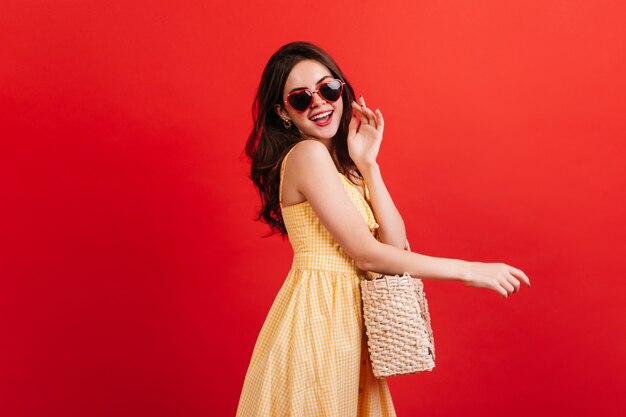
280	111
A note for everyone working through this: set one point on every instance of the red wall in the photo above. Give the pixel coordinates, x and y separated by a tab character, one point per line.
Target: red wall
134	280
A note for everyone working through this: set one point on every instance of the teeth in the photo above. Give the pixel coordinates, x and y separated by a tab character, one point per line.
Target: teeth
322	115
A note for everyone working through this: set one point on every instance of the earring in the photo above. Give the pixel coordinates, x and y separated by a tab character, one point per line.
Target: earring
287	123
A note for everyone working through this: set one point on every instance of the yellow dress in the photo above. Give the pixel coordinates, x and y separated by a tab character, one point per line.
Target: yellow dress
311	358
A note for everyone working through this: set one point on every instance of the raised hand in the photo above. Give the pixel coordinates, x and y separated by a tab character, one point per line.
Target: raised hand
365	134
499	277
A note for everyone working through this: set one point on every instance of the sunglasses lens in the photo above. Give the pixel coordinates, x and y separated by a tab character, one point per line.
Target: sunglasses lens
301	100
332	90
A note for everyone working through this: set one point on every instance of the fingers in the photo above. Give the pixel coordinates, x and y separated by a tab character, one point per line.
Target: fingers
367	115
512	284
501	291
370	114
508	287
361	113
518	273
499	277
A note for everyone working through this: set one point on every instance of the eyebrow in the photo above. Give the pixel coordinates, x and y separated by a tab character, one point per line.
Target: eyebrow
319	81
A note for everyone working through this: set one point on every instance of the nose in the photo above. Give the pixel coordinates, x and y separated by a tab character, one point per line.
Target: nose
318	100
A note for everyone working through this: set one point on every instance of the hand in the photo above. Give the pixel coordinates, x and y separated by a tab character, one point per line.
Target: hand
365	134
499	277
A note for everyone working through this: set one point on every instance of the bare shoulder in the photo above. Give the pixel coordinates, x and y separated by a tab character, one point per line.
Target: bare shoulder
309	161
309	150
310	156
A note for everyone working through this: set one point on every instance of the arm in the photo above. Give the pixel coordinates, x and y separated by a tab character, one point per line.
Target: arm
364	141
391	230
314	175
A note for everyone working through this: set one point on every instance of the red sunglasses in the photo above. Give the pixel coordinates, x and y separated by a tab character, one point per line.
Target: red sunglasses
301	100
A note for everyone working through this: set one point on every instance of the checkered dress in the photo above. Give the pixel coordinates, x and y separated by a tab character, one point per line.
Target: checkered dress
311	357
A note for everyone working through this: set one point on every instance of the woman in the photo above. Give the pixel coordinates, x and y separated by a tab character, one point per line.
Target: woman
314	164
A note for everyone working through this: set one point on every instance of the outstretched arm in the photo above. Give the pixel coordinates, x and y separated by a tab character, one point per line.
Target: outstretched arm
314	175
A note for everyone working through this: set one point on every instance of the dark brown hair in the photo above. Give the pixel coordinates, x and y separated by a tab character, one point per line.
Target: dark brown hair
269	141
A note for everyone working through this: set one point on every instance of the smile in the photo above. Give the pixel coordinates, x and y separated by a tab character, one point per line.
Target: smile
321	118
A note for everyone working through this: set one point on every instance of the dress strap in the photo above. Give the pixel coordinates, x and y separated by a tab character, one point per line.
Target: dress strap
282	173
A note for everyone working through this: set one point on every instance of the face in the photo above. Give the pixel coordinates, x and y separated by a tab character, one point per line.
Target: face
309	74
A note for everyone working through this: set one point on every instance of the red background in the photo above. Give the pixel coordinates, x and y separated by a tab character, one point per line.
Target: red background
134	280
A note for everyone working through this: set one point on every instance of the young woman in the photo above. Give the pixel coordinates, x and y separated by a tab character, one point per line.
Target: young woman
313	150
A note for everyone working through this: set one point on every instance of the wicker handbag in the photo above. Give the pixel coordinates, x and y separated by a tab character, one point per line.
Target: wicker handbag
397	322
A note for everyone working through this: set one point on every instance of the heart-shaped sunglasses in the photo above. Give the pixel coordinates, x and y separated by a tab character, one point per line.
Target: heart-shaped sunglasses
301	100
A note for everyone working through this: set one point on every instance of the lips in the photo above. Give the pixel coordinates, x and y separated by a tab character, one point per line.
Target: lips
322	118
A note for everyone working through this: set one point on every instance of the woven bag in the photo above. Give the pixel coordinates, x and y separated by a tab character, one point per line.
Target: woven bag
397	322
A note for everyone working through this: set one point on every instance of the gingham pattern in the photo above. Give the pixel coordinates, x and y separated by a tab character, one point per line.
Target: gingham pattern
311	356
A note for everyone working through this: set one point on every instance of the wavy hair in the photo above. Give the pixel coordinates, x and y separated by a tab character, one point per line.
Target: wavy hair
269	141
